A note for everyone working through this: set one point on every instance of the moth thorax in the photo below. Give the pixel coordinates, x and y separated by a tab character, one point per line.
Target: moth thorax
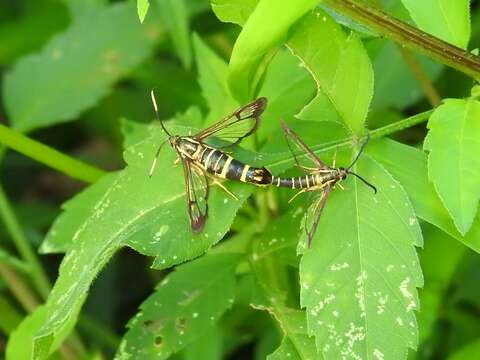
187	145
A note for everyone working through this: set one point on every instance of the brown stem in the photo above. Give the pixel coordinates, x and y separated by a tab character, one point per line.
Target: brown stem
408	36
429	90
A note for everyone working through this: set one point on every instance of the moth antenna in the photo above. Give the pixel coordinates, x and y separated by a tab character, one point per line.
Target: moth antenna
154	162
359	152
155	107
364	181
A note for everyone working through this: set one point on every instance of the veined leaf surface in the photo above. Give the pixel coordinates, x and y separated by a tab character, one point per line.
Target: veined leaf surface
453	162
186	304
447	19
147	214
339	64
72	73
358	280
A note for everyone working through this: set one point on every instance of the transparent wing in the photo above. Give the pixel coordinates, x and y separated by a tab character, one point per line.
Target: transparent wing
298	148
236	126
314	212
197	194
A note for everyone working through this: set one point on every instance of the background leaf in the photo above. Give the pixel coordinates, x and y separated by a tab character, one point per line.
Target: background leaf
338	63
212	74
359	286
142	9
72	73
453	163
235	11
174	16
250	49
449	20
414	179
185	305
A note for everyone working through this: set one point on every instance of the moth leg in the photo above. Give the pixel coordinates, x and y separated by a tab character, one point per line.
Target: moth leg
215	181
298	193
334	157
340	186
219	184
177	161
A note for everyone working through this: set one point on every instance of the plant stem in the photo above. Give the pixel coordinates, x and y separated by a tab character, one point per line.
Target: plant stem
48	156
408	36
430	92
23	246
19	289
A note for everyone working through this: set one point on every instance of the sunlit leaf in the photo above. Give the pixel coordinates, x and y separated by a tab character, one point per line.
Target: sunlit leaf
142	9
359	284
447	19
234	11
72	72
339	64
186	303
453	163
174	16
250	48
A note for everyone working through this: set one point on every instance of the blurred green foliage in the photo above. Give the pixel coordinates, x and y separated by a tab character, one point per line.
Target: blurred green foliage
76	77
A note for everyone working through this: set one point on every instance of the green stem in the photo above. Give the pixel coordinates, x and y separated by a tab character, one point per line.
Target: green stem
408	36
23	246
374	134
48	156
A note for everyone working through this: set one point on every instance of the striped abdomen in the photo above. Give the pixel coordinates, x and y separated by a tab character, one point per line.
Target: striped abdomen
222	165
305	181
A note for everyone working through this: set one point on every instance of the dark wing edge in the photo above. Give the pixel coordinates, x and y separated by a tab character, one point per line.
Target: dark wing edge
197	189
292	136
250	112
317	208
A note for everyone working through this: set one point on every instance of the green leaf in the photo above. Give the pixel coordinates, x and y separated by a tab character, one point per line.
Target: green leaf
79	8
338	63
174	16
288	87
11	317
207	346
359	285
440	248
250	48
6	258
467	352
296	344
212	74
76	210
142	9
73	72
27	33
293	323
234	11
414	179
449	20
146	214
453	162
20	342
186	303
